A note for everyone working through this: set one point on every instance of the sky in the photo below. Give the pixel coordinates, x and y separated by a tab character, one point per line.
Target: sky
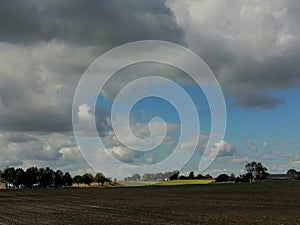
252	47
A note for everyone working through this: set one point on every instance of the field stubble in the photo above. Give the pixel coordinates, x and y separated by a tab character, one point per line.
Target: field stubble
270	203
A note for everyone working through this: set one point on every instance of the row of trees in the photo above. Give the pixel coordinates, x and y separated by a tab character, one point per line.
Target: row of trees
46	177
255	171
166	176
150	176
35	177
191	176
88	178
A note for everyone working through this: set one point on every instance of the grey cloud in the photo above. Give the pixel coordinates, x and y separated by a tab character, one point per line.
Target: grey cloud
17	147
17	137
253	49
89	23
140	70
32	96
257	101
47	45
45	48
125	155
251	83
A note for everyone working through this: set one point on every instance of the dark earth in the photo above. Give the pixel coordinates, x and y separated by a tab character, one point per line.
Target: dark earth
266	203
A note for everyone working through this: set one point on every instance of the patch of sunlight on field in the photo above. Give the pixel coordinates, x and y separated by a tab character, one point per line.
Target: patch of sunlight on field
164	183
183	182
136	183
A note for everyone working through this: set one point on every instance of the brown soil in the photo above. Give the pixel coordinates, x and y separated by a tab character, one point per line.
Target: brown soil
205	204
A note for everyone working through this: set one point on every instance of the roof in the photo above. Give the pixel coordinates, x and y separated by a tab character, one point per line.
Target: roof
279	177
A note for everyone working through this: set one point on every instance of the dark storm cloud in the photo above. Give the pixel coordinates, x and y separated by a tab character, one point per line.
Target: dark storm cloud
253	83
258	102
91	23
47	45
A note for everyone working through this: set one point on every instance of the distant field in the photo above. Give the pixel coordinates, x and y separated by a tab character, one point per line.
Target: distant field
213	204
183	182
136	183
165	183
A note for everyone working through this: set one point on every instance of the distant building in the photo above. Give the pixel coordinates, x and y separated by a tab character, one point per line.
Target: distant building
280	177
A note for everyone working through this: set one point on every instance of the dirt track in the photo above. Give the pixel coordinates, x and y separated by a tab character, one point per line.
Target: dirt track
206	204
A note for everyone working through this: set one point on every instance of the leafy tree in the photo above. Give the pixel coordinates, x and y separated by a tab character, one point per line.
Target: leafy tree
9	176
294	173
257	170
191	175
136	177
87	178
100	178
174	176
67	179
207	176
182	177
148	177
232	177
158	176
20	177
246	178
78	180
199	176
46	177
31	177
58	178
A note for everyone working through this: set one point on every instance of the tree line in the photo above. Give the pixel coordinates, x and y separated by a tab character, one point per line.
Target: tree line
254	172
46	177
149	176
174	175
